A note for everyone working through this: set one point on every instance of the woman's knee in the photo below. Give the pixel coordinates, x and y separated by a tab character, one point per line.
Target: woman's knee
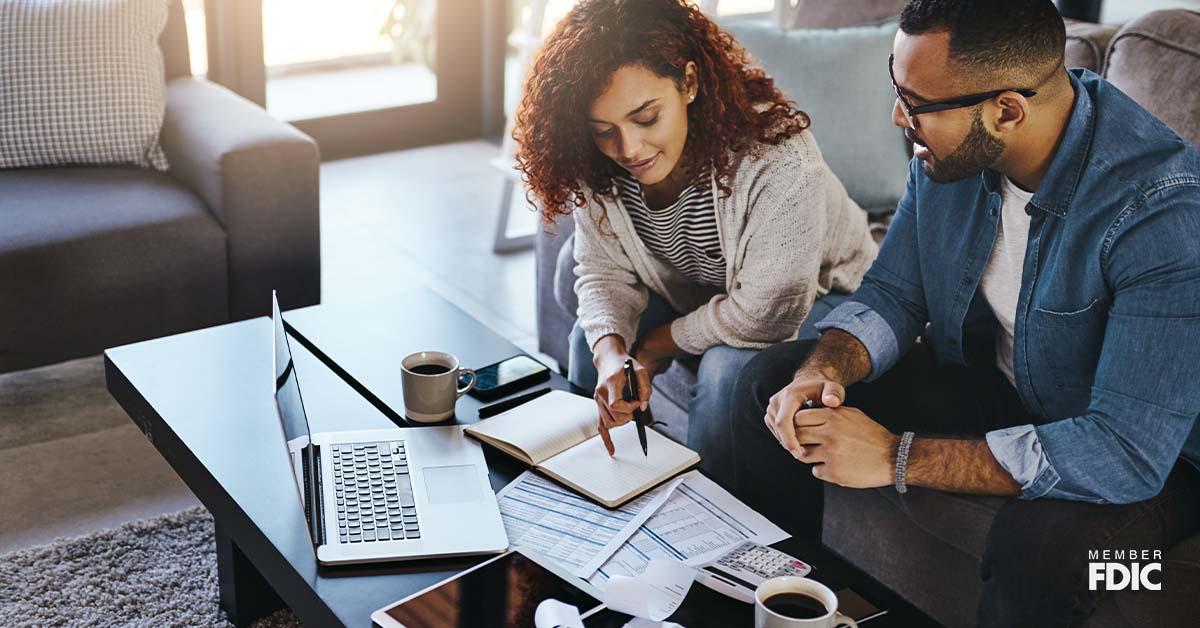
577	340
767	372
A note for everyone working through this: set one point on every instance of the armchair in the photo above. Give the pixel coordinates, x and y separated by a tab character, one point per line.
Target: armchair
92	257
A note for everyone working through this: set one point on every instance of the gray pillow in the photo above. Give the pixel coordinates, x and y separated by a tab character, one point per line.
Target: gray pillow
81	82
839	14
840	78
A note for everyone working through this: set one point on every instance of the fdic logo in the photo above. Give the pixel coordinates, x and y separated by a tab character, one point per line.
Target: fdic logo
1117	576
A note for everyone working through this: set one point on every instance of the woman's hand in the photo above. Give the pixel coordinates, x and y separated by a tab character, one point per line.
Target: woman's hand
609	355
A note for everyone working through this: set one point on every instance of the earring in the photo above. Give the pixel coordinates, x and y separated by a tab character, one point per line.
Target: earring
691	97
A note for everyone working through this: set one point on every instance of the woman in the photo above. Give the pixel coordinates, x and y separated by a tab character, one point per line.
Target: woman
710	223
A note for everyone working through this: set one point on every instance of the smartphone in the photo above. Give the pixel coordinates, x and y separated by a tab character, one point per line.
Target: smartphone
856	607
508	376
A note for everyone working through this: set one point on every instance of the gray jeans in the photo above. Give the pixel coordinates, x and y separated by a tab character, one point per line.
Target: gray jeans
710	422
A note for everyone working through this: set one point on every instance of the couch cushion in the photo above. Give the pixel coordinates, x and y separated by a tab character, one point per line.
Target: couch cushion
1156	60
871	531
826	14
82	82
97	257
840	79
1086	44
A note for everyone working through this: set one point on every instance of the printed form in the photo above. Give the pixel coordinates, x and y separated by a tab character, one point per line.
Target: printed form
699	522
561	525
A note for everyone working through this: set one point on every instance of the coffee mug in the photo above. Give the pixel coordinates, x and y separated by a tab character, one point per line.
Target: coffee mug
430	380
794	602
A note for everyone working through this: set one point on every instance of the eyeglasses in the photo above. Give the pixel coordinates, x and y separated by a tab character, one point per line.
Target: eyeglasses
970	100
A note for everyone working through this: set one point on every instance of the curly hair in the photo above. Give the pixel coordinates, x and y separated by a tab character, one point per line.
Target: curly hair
737	107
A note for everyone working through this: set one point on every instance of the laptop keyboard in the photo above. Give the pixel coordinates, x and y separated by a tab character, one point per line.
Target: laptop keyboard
374	493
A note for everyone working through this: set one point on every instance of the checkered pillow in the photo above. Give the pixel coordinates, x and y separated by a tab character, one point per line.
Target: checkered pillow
81	82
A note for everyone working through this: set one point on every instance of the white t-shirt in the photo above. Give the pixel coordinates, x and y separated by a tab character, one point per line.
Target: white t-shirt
1001	282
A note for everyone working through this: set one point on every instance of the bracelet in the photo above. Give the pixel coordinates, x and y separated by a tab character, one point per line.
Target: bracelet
902	461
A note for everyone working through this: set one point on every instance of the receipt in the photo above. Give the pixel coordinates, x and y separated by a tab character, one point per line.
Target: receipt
654	594
554	614
639	622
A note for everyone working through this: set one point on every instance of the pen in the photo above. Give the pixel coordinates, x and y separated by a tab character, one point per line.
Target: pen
509	404
631	394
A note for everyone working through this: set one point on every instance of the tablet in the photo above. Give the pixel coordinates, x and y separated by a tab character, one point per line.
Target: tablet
503	592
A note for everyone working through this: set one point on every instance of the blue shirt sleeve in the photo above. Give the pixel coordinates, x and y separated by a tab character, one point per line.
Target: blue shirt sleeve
1019	451
868	326
888	311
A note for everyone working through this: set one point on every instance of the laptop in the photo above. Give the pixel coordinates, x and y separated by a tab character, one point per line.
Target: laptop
385	495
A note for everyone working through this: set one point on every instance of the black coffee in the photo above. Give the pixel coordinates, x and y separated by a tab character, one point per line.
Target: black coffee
430	369
795	605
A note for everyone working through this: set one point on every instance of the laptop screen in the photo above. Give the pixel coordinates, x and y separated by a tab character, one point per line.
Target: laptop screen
295	422
287	387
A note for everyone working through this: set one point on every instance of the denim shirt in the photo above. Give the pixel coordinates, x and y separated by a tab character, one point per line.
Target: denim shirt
1107	332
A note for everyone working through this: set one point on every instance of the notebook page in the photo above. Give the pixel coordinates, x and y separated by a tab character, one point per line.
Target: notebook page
611	479
543	427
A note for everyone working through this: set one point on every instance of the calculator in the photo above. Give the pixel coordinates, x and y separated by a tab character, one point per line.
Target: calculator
738	572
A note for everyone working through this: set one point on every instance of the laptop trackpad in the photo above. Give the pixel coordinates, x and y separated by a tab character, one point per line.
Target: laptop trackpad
448	485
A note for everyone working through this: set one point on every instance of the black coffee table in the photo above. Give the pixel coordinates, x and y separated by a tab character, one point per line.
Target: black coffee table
204	400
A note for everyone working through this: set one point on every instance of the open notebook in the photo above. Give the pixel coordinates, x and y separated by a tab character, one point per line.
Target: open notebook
557	434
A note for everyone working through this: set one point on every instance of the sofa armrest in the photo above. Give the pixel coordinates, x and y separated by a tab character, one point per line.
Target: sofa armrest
554	321
260	178
1155	60
1086	44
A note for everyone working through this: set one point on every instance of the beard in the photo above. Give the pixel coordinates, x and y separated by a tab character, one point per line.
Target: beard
977	152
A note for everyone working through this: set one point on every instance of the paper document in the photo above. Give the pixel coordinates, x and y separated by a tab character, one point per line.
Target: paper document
699	522
654	594
567	528
640	622
554	614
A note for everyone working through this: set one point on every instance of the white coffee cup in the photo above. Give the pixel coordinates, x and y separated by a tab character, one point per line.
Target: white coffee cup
767	618
430	380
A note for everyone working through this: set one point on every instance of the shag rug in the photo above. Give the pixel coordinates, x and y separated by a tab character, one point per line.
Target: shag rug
154	572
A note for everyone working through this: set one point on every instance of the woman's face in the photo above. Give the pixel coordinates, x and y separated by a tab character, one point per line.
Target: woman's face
640	121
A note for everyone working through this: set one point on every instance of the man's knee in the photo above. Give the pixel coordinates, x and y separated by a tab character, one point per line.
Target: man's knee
1033	563
752	386
764	375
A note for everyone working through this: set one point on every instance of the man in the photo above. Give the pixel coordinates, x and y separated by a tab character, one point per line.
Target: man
1047	252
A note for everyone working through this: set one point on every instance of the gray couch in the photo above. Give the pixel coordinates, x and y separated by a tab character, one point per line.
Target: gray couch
926	545
92	257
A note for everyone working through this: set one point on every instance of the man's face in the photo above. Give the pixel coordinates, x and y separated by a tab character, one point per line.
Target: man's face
953	144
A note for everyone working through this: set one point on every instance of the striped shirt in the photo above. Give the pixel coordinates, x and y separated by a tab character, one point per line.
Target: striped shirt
684	234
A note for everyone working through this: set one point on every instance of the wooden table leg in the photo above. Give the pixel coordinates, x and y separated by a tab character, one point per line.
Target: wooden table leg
245	595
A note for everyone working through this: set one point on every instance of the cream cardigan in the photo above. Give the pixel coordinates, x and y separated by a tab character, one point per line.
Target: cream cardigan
788	231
